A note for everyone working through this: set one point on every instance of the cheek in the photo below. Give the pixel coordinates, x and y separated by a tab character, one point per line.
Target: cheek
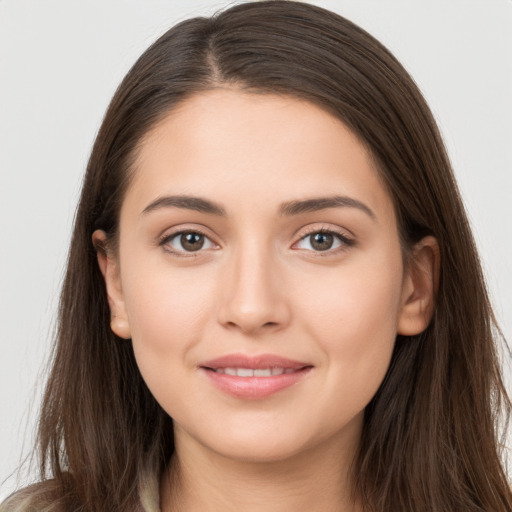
162	298
353	316
364	297
168	312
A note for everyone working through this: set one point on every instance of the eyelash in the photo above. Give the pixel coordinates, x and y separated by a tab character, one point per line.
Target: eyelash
345	241
164	240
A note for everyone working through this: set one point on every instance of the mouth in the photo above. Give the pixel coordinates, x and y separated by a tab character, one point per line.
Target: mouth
254	378
253	372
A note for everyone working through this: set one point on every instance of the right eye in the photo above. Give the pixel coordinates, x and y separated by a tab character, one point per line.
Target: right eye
187	242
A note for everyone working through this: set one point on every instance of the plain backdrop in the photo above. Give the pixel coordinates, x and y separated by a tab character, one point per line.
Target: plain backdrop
60	62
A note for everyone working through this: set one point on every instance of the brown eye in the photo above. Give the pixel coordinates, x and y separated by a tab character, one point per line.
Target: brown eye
321	241
192	241
187	241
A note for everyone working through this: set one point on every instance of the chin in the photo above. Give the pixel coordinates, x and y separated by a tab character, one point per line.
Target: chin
262	451
268	443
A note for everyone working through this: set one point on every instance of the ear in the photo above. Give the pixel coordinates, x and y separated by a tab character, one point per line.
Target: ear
419	289
109	267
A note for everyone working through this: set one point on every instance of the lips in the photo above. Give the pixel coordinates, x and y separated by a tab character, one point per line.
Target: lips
259	362
255	377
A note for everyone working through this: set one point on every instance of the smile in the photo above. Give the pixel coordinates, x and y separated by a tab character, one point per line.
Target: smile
254	377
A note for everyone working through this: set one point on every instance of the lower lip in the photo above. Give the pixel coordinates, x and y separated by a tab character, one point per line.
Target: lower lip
254	388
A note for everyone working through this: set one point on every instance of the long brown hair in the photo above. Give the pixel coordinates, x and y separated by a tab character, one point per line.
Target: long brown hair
430	439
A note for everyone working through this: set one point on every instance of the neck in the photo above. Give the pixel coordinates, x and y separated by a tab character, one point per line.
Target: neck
314	480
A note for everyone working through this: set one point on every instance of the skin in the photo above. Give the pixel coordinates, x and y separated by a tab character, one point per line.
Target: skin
260	286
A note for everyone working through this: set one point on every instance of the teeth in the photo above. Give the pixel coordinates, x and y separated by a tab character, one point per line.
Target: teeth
249	372
263	373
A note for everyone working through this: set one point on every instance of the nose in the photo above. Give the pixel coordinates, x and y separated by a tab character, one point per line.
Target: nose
253	298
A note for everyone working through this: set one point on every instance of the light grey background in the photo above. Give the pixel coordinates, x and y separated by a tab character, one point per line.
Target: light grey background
60	61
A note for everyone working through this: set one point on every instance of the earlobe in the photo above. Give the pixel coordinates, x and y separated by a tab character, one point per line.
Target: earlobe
109	268
419	289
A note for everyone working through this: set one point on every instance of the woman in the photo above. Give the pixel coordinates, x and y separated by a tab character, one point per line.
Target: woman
270	249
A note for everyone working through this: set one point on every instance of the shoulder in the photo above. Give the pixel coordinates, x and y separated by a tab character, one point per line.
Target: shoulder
47	496
40	497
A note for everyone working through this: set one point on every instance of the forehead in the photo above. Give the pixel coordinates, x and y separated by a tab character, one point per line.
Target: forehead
259	149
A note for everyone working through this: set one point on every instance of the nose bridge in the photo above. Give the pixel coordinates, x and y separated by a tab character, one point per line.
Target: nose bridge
252	296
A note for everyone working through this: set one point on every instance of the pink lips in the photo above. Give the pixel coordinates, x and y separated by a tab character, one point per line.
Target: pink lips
254	378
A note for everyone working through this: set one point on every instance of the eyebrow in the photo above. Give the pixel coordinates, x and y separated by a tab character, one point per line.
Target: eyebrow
323	203
288	208
186	202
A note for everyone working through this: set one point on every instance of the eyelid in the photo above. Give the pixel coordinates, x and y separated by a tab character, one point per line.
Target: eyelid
169	235
346	240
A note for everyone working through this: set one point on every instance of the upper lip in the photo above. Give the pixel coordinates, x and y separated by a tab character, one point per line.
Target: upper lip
257	362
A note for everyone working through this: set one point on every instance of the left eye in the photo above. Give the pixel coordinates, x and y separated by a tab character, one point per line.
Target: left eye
188	241
322	241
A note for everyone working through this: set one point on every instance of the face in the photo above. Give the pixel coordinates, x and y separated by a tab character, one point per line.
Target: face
259	275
